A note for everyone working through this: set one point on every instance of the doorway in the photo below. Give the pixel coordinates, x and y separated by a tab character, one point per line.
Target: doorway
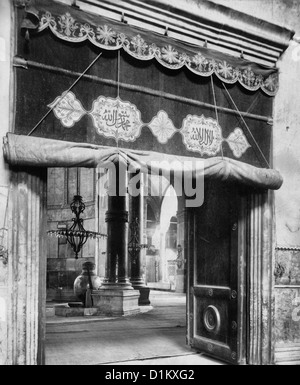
217	271
163	322
256	210
162	267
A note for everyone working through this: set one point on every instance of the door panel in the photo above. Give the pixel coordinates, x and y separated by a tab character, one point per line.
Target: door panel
213	276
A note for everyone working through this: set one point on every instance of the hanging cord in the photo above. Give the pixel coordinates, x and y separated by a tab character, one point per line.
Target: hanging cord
253	103
246	125
64	95
118	93
215	104
119	71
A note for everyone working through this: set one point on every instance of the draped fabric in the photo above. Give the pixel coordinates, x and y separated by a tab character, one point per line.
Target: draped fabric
27	151
74	26
168	104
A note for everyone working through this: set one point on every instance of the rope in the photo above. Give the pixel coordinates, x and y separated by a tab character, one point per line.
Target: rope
253	103
217	115
119	71
118	92
246	125
64	95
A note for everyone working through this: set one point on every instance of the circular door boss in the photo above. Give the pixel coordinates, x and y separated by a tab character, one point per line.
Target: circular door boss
212	319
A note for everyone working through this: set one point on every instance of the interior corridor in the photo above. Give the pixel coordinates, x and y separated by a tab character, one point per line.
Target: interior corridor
154	337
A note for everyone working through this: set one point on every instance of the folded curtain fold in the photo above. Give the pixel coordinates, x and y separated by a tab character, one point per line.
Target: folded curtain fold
25	151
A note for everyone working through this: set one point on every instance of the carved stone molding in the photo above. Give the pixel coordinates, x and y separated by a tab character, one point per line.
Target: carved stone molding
262	301
288	248
27	268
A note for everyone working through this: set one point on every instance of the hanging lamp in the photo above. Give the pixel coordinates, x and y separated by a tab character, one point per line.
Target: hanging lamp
76	235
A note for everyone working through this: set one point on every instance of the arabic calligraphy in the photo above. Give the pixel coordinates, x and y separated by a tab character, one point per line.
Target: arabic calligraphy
116	119
203	135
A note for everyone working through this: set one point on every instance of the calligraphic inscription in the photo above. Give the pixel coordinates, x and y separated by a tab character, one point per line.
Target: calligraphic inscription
116	119
203	135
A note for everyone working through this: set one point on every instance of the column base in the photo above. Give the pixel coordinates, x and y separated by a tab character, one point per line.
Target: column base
116	302
144	295
116	286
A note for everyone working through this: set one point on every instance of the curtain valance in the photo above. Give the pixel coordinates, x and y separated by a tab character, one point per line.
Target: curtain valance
75	26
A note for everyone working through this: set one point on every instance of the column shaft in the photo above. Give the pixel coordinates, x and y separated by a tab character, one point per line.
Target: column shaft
136	237
136	220
117	229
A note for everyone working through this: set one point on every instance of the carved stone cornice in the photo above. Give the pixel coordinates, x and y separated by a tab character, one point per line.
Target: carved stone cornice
213	25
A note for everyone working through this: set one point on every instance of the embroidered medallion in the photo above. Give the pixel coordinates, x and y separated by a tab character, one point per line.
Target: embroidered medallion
116	119
203	135
68	109
162	127
238	142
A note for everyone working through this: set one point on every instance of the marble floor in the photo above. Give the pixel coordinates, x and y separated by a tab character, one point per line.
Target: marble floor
154	337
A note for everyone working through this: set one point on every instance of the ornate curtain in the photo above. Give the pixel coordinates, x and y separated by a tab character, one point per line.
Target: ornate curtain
74	26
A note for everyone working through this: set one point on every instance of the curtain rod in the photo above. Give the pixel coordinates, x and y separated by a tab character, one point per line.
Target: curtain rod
26	64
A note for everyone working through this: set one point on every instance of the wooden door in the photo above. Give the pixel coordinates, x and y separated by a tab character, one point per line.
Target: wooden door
216	295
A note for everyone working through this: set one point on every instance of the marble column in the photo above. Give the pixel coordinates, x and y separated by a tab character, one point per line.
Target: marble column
117	295
117	232
136	237
261	251
181	286
181	265
27	259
